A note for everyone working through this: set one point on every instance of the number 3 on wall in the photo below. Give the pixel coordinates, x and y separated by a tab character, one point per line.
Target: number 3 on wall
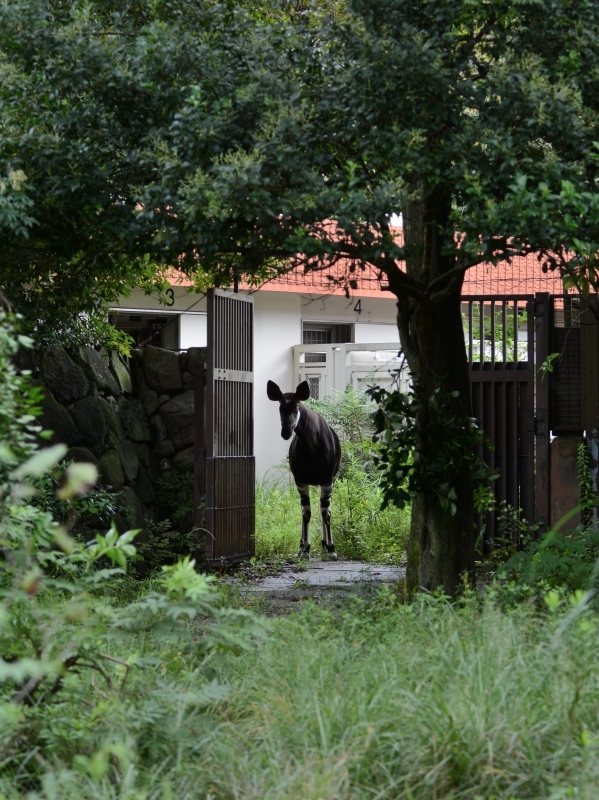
170	301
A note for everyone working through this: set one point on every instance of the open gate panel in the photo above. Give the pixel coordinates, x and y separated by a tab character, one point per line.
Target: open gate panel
229	423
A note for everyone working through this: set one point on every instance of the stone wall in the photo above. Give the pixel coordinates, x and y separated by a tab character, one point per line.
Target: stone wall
132	418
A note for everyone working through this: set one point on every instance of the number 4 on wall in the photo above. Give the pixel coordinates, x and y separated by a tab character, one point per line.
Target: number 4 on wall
358	307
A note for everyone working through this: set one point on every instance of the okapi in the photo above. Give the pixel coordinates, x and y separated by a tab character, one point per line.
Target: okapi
314	458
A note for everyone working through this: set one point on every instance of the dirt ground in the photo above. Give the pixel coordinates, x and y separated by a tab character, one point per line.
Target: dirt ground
278	589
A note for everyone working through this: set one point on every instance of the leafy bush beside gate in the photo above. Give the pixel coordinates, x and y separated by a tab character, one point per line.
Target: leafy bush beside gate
88	656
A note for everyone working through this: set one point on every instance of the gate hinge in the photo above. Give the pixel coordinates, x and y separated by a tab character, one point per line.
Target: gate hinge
538	308
536	426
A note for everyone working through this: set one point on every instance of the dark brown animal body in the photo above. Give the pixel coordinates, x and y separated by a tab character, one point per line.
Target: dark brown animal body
314	457
315	452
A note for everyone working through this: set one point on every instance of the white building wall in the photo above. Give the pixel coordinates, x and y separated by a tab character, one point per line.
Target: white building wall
373	333
278	318
181	300
336	308
277	328
193	331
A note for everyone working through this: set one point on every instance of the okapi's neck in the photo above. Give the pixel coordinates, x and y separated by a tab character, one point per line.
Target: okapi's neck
307	424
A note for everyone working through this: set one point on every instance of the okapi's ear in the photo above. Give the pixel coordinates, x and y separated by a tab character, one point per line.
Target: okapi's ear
303	391
273	391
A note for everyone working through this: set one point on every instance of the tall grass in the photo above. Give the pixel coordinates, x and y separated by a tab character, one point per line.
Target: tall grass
421	702
361	529
413	702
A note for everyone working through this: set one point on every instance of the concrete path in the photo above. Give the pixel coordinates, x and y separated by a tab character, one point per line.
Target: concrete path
317	580
329	574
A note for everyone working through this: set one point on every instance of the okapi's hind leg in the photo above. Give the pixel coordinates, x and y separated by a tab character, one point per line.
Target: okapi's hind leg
325	512
304	493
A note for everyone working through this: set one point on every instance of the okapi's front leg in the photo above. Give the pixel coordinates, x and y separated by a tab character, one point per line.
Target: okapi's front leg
304	493
325	512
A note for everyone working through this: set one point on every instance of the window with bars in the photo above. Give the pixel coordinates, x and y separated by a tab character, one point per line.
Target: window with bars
313	333
314	384
318	336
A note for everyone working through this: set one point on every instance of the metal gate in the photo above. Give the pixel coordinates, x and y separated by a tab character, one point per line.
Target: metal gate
500	340
520	405
226	427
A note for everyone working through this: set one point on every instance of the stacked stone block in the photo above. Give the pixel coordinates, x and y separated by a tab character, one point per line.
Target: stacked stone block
133	419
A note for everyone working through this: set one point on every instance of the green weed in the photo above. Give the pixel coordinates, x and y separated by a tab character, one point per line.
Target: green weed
422	701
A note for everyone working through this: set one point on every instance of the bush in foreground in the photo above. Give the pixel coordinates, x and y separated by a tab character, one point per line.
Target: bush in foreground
422	701
87	660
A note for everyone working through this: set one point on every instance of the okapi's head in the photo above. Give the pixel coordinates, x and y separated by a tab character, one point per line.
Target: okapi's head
289	405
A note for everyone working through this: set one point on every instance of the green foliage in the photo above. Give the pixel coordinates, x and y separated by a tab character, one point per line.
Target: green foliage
588	498
68	619
349	413
91	329
278	516
263	168
558	560
548	365
514	533
381	697
15	203
96	505
555	560
502	331
363	527
175	494
409	701
428	458
162	544
19	404
362	530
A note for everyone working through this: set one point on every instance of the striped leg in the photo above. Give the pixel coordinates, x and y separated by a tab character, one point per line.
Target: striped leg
325	512
304	493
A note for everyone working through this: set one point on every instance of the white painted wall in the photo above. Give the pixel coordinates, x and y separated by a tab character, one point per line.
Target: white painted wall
278	318
373	333
193	331
170	333
335	308
277	327
181	300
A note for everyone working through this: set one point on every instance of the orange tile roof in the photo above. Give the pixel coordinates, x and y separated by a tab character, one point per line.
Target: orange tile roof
523	275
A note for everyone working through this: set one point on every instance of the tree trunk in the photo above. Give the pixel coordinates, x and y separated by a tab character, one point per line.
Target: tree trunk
441	546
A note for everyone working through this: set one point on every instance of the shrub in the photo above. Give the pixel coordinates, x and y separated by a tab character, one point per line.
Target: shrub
97	505
555	560
88	658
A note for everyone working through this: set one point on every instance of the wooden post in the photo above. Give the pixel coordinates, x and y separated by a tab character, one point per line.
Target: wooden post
199	450
541	420
589	364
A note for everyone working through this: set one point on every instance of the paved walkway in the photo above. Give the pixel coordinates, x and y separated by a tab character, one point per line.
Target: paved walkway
318	580
323	574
